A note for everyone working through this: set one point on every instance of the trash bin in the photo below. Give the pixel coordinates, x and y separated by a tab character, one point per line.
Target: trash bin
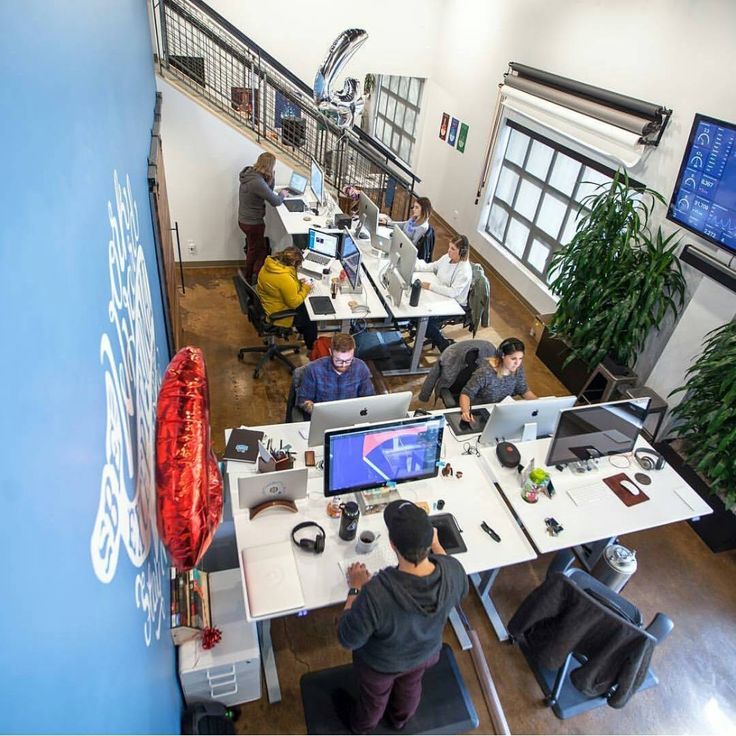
615	566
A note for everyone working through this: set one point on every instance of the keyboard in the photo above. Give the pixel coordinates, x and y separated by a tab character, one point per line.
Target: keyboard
317	258
378	559
321	305
582	495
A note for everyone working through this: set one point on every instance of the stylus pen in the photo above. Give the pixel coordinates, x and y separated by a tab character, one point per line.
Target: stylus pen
490	532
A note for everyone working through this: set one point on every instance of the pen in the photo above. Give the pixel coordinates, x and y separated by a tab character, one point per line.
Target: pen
490	532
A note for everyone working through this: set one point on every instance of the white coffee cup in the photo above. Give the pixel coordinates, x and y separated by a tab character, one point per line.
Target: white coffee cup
366	542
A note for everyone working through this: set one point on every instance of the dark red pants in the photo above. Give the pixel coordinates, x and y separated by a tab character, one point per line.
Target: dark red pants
395	694
256	249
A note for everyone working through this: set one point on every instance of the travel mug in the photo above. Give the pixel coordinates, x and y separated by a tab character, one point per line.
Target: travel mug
349	520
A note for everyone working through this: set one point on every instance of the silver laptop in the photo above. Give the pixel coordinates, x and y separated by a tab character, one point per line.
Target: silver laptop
297	183
281	485
322	250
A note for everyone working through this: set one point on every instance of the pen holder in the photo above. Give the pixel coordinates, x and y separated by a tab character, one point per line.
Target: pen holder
266	466
285	462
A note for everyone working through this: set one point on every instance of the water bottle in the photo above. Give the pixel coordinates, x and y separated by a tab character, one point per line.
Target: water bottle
349	521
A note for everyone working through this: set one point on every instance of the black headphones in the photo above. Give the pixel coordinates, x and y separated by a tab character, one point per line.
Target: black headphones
316	545
510	344
648	459
463	246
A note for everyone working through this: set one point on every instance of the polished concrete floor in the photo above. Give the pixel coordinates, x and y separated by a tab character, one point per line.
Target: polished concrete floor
677	575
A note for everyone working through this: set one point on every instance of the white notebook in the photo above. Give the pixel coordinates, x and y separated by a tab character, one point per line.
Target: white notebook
272	579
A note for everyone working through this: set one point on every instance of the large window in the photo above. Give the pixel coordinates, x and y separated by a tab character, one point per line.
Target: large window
537	198
397	111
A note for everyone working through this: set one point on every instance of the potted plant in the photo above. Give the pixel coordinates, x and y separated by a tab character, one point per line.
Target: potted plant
705	425
615	280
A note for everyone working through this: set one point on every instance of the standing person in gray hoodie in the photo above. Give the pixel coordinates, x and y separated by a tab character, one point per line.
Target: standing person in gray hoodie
393	621
256	188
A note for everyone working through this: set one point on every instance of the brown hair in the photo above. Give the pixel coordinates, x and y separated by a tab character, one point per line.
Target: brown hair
342	343
509	346
265	165
290	256
426	207
462	243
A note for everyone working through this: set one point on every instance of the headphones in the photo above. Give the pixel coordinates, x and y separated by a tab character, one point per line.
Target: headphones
463	246
510	342
316	545
648	459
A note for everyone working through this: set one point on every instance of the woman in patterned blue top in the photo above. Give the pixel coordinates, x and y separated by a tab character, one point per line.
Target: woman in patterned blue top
502	377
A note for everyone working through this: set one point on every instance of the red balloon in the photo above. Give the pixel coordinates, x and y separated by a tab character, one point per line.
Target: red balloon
188	480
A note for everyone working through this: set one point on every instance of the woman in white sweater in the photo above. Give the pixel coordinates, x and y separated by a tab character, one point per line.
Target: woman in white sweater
454	275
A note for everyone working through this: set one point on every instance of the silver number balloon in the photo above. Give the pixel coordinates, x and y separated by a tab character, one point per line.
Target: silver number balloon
346	103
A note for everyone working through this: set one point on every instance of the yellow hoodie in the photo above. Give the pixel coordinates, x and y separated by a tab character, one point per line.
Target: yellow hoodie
279	289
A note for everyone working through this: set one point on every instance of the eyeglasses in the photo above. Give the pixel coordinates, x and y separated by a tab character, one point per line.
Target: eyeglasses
339	361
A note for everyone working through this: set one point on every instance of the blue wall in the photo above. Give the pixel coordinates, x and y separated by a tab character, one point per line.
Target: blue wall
85	645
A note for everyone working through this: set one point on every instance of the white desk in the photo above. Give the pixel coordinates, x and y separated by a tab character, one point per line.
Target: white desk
471	499
282	225
605	516
430	304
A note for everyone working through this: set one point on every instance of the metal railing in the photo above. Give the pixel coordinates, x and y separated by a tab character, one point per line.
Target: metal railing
220	64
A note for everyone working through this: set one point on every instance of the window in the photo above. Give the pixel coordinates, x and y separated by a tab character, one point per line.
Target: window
537	198
397	110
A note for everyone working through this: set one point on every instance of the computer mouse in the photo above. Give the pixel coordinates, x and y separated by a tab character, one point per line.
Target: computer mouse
630	486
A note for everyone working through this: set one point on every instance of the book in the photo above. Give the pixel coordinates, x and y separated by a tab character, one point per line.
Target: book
193	605
242	446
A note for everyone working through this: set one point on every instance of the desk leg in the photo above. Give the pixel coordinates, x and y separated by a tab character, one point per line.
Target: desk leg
268	661
590	553
416	353
483	582
345	326
460	632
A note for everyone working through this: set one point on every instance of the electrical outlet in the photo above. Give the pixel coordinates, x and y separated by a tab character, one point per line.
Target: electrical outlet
191	247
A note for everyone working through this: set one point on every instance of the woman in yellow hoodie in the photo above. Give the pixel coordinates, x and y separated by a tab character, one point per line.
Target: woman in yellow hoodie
280	288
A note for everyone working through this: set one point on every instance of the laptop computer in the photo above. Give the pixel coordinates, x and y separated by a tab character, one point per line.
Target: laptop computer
297	183
281	485
322	249
272	579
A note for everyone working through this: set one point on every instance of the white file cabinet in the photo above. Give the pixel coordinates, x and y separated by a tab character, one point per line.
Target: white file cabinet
230	673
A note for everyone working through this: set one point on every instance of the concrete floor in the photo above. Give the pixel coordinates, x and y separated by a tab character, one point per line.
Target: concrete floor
677	573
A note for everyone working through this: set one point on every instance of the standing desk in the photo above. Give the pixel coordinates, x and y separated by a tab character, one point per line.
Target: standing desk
470	499
282	225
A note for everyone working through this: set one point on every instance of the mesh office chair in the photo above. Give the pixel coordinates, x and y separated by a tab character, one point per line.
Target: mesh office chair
585	643
250	305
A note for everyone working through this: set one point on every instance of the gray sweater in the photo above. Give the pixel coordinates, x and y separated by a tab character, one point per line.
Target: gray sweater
396	622
253	195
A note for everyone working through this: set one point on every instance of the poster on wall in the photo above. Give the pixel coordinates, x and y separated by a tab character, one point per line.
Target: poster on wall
443	125
462	137
453	131
284	108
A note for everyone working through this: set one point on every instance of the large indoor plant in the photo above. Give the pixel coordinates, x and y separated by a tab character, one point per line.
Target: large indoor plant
615	280
705	420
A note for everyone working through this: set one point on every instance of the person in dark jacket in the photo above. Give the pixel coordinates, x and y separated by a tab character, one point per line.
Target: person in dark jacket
393	621
256	188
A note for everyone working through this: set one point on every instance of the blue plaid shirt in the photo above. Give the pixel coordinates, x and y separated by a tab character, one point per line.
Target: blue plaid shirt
320	381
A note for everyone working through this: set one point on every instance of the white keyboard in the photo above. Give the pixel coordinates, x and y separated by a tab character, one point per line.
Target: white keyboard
317	258
582	495
378	559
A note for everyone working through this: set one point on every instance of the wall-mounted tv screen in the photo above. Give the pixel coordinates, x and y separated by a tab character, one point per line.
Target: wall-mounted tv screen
704	198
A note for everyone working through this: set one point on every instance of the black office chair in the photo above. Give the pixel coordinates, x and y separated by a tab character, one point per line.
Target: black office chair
585	643
250	305
450	396
293	412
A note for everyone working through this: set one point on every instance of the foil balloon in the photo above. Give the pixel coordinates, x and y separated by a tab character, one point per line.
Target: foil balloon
346	103
188	480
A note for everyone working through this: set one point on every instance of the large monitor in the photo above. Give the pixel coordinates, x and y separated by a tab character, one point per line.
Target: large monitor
325	243
350	259
405	253
317	182
362	458
508	421
347	412
368	214
589	432
704	197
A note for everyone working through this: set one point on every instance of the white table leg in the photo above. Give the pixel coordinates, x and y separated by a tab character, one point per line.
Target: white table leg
483	582
460	632
268	661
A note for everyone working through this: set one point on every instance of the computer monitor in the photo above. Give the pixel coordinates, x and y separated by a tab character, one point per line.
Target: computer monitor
539	417
297	183
347	412
327	244
350	259
589	432
368	214
405	251
362	458
317	182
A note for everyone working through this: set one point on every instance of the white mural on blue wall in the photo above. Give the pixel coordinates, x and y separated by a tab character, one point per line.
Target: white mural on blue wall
126	517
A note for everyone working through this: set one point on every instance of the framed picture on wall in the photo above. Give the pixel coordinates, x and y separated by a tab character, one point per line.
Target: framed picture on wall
462	137
452	137
284	107
242	99
443	125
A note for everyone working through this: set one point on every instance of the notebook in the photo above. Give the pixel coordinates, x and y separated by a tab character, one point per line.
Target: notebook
321	305
272	579
242	445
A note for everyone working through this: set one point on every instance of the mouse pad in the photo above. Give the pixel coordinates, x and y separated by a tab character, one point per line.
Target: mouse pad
614	483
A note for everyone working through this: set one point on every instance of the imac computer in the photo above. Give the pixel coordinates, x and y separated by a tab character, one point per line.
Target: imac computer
589	432
364	458
404	252
317	182
524	420
350	260
368	214
347	412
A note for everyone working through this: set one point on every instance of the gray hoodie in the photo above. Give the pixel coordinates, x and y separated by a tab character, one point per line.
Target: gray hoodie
254	193
396	622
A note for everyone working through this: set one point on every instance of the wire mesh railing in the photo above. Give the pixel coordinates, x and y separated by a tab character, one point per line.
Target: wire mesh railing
220	64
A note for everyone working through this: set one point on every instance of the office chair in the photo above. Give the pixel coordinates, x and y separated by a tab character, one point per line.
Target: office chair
293	412
585	643
250	305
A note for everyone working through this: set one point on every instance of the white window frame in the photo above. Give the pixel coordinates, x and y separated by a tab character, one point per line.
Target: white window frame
387	128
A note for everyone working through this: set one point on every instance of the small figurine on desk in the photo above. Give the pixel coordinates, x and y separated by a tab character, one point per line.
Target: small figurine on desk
447	471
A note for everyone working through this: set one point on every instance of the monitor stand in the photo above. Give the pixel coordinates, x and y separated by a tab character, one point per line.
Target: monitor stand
347	289
529	433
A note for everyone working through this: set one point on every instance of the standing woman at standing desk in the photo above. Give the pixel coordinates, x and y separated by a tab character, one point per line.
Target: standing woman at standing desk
503	376
418	224
256	188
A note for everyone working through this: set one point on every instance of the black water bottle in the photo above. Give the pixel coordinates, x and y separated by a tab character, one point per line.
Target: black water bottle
416	290
349	520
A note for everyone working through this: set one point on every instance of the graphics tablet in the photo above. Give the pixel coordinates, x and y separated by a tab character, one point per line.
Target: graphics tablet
460	428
